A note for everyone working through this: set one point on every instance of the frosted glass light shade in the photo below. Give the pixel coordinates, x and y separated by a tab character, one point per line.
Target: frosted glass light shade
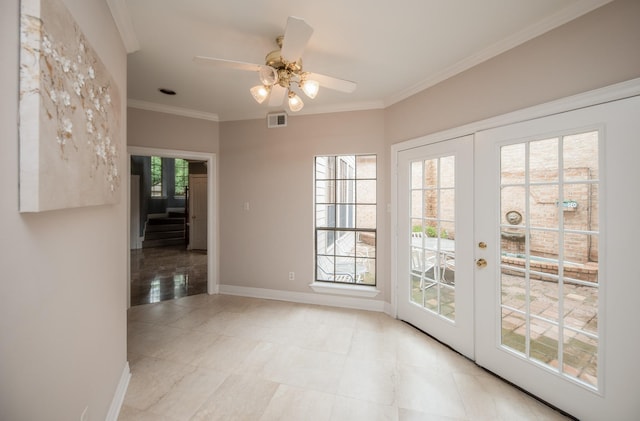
295	103
260	93
310	88
268	75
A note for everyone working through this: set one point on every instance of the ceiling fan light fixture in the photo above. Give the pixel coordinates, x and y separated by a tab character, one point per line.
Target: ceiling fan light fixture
295	103
260	93
268	75
310	87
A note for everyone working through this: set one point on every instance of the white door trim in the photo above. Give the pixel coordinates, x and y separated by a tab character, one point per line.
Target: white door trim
598	96
212	206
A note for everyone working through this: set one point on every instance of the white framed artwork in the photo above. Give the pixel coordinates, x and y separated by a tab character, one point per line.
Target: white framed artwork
70	114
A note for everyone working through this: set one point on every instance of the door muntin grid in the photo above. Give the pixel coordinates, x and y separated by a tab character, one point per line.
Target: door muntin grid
432	242
549	237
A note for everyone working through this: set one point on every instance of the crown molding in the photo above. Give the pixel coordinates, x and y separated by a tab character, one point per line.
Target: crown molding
169	109
122	18
565	15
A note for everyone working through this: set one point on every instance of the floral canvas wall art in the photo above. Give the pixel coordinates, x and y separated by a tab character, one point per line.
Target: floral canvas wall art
70	122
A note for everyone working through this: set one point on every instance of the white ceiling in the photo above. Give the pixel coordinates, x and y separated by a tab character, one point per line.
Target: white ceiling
392	49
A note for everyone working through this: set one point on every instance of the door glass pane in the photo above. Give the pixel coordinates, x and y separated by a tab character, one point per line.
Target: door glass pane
513	205
543	161
580	157
513	287
580	356
432	274
543	206
512	164
549	253
514	329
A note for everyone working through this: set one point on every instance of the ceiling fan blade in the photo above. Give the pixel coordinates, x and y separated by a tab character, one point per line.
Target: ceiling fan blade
229	64
296	37
333	83
277	95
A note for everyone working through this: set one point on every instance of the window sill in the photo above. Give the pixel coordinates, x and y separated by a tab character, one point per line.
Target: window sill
365	291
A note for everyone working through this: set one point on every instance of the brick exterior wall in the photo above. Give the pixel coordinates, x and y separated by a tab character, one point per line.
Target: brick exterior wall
578	204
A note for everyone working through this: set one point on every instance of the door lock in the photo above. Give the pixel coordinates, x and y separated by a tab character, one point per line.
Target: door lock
482	245
481	263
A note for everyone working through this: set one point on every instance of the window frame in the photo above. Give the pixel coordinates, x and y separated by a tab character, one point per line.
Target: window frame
341	189
185	178
153	192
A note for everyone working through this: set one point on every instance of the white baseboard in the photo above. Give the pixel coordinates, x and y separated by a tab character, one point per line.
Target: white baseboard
304	297
118	397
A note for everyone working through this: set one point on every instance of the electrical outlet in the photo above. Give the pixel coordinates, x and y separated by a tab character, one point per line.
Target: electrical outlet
85	414
292	276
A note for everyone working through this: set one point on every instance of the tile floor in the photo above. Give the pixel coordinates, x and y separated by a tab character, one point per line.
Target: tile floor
165	273
217	357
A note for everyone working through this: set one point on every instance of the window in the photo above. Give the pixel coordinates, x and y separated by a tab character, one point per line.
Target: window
345	219
156	176
181	176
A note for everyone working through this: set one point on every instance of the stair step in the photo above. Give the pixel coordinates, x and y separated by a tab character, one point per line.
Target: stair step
162	242
164	227
154	235
164	221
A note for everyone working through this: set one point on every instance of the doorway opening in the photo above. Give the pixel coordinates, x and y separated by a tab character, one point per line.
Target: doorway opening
171	225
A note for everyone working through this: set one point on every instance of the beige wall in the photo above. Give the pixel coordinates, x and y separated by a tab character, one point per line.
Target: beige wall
598	49
166	131
63	301
272	169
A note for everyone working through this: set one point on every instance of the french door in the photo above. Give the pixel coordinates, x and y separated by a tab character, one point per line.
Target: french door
435	241
544	217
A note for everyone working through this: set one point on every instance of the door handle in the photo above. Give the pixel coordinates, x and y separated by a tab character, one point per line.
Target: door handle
481	263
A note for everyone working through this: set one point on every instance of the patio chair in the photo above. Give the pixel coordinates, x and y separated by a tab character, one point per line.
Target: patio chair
422	265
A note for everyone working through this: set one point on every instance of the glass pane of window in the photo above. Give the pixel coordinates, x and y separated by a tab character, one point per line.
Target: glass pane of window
448	204
345	198
345	191
514	329
432	275
366	167
181	172
579	207
366	216
325	191
513	286
447	172
580	357
416	175
512	164
549	252
345	216
345	167
543	161
513	206
430	173
156	176
325	167
324	241
325	216
366	191
431	203
543	344
543	206
580	157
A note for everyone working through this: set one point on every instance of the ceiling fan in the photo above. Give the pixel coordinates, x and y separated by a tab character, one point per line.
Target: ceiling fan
283	70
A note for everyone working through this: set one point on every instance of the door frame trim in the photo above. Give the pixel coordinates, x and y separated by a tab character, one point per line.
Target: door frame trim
213	268
598	96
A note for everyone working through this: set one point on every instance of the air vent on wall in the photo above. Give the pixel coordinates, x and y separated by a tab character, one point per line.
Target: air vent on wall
277	120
